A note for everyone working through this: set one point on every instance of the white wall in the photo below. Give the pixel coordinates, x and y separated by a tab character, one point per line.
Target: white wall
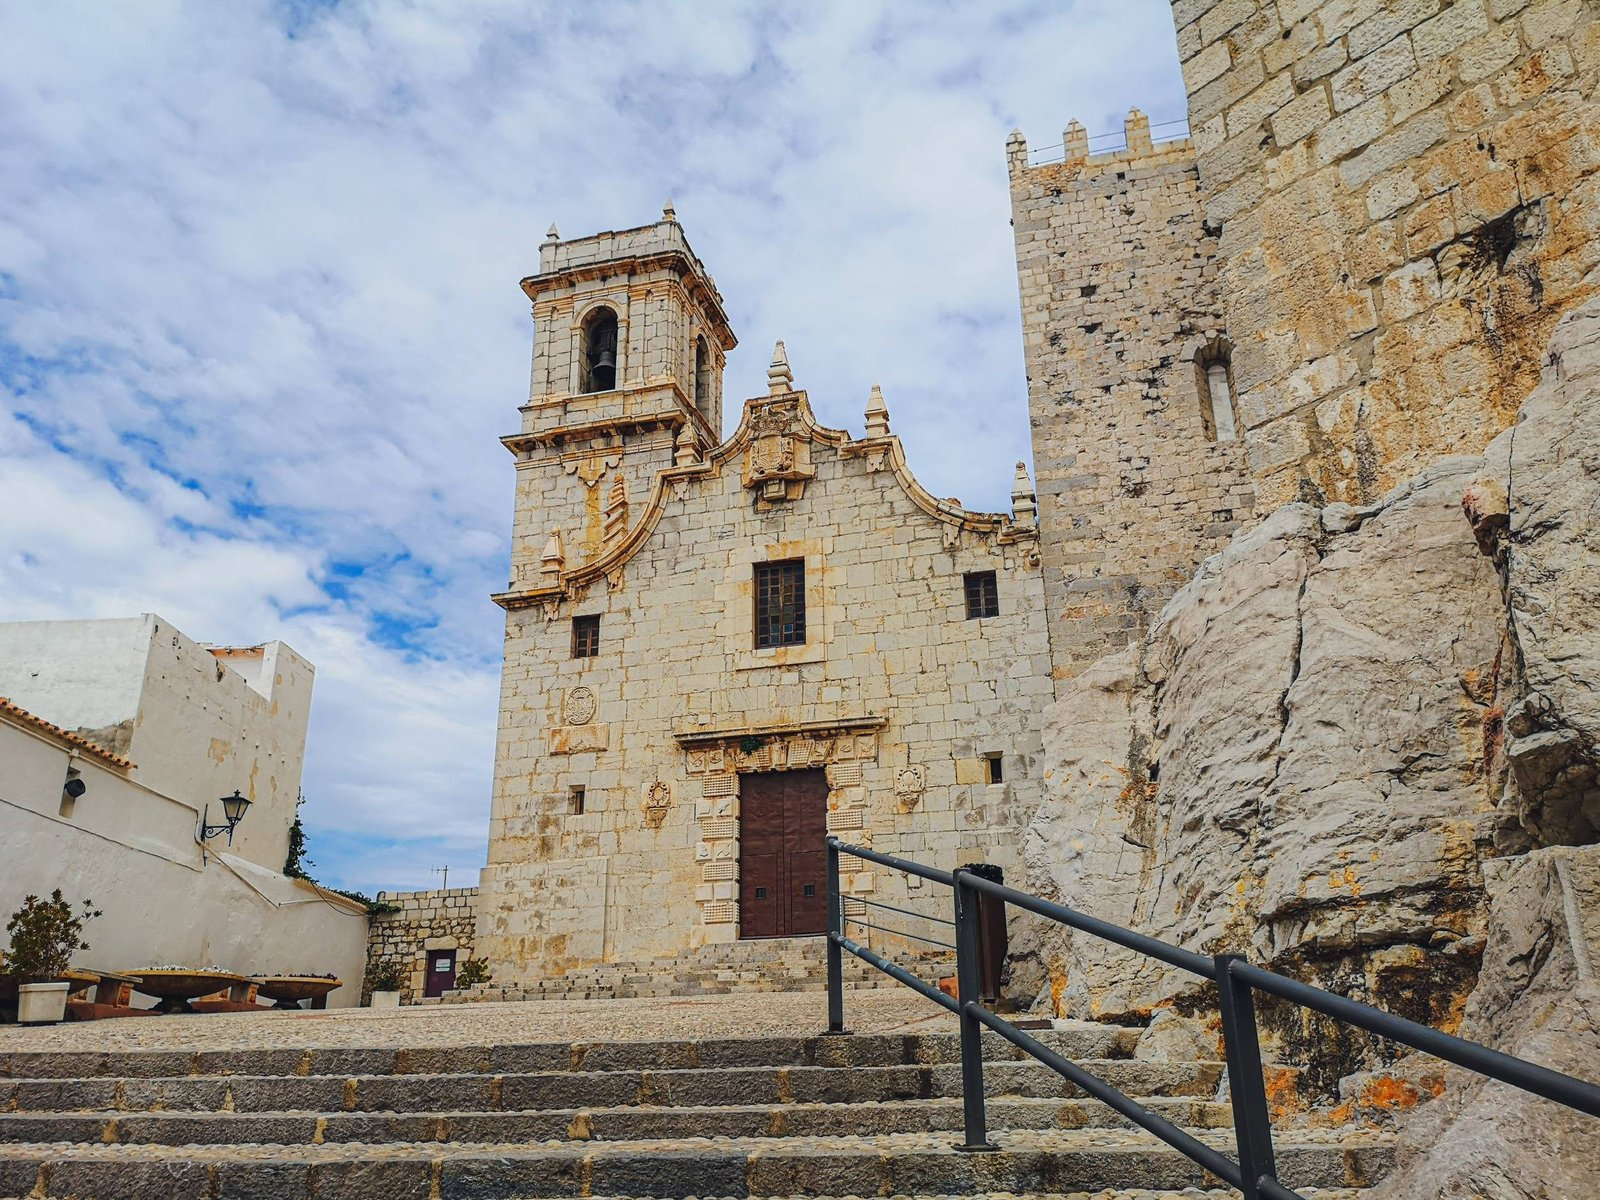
198	722
132	852
80	675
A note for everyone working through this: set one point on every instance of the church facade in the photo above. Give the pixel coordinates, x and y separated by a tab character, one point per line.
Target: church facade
716	651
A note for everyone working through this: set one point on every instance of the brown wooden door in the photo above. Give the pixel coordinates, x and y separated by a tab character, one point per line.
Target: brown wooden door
782	861
441	972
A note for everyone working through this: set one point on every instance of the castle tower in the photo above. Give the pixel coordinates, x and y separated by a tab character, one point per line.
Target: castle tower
630	338
1141	472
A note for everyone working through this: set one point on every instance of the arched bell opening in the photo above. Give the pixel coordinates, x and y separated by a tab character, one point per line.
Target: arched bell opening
599	361
702	378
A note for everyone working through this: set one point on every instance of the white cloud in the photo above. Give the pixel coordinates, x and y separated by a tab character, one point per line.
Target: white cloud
259	326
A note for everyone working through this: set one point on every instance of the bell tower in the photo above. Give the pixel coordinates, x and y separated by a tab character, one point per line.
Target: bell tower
630	338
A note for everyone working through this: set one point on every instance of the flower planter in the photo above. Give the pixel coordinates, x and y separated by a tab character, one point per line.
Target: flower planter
385	999
175	988
42	1003
290	990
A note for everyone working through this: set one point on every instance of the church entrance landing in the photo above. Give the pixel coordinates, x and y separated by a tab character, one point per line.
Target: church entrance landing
782	860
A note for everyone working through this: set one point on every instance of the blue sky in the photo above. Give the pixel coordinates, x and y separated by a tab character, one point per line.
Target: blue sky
260	325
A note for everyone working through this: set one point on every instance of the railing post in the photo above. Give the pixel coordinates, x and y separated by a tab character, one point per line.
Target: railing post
968	984
1252	1125
835	954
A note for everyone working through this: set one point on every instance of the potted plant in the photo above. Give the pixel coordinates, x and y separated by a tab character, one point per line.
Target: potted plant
44	936
383	981
473	972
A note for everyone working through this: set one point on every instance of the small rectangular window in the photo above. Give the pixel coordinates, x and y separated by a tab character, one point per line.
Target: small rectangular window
781	603
997	773
575	801
585	636
983	596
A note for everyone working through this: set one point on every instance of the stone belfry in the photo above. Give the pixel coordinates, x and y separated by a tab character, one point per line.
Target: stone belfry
630	338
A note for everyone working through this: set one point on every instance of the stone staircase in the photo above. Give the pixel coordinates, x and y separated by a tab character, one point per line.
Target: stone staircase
862	1115
758	965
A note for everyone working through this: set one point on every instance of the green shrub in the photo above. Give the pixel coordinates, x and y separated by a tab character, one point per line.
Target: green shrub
44	937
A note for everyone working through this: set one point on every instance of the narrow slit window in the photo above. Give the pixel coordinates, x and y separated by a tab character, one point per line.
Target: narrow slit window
781	604
585	636
983	595
575	798
997	773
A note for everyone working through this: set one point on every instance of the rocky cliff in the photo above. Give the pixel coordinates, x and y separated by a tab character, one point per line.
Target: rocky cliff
1335	731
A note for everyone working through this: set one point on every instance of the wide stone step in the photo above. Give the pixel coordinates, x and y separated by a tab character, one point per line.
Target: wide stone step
1079	1041
630	1123
586	1089
913	1164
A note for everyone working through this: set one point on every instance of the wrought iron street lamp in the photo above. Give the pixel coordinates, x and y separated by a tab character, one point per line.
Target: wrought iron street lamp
233	808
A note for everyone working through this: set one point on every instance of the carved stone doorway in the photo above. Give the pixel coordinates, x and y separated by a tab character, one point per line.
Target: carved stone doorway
783	818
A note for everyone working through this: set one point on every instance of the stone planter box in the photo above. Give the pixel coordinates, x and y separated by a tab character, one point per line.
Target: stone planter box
290	990
42	1003
176	988
385	1000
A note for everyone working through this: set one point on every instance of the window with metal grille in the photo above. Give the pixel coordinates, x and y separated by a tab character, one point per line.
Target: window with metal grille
781	603
983	597
585	636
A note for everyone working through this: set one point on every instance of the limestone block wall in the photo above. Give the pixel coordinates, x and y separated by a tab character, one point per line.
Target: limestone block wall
441	919
1407	201
1119	308
895	694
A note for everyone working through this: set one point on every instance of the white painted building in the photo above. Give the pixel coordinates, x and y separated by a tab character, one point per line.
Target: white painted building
157	728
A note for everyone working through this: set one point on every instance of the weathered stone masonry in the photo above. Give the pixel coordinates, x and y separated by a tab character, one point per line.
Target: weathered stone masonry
1139	476
1407	201
442	919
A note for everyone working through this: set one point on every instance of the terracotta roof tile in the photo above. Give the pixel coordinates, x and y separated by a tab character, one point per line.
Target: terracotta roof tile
23	717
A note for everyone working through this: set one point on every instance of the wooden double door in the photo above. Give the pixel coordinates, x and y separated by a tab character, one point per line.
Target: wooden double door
783	863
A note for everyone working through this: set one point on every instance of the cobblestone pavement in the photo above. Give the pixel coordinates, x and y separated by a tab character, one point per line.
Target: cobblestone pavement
756	1014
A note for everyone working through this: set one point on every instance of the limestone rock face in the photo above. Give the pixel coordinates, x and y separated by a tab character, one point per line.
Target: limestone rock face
1538	999
1549	464
1294	767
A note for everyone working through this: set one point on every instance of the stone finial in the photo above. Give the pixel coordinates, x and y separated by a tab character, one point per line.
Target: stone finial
554	558
668	213
877	414
685	451
1017	152
1024	505
1075	140
1137	131
552	234
779	378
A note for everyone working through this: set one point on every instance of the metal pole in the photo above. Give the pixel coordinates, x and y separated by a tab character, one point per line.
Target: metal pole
1252	1126
835	955
975	1119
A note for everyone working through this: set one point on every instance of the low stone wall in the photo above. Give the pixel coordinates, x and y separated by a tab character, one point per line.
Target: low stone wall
437	920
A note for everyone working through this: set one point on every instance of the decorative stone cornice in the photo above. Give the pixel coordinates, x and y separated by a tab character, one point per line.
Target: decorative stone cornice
835	725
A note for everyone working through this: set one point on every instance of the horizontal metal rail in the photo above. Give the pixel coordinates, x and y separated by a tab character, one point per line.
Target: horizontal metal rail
895	971
1519	1073
899	864
1255	1171
916	937
907	912
1184	960
1215	1161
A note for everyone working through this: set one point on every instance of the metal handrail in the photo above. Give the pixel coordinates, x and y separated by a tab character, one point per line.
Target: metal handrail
1254	1171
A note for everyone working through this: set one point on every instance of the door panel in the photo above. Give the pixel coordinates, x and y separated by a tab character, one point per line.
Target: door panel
782	863
441	972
